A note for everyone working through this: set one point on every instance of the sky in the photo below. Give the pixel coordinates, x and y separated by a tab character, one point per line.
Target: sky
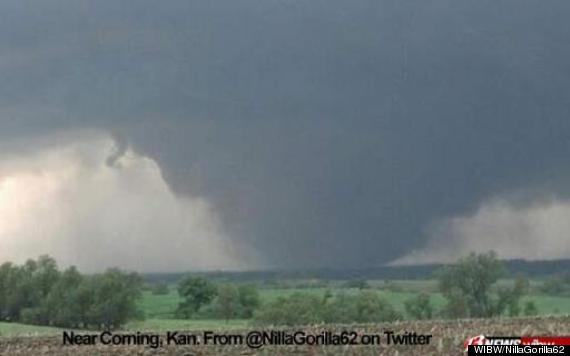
190	135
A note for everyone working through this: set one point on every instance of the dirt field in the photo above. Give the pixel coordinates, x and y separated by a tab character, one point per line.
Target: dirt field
447	339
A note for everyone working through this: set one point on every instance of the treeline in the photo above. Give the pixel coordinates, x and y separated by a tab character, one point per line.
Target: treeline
202	299
364	306
469	287
531	269
558	285
37	292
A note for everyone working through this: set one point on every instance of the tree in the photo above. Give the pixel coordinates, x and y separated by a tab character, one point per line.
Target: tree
457	304
530	308
509	298
114	297
232	302
23	290
19	294
44	277
63	302
419	307
38	293
472	278
467	287
227	302
41	276
249	300
7	285
196	292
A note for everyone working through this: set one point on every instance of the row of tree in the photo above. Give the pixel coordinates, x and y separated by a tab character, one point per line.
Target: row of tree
37	292
468	287
302	309
558	285
203	299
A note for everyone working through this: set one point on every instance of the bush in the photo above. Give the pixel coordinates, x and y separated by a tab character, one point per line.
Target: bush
297	309
530	308
249	300
306	309
372	308
419	307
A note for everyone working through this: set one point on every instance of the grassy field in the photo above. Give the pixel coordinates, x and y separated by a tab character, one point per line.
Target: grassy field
164	306
14	329
395	292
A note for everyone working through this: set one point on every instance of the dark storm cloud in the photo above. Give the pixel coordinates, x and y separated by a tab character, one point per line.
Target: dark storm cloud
324	132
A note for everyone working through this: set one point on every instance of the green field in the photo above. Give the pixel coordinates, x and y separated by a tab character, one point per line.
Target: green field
14	329
395	292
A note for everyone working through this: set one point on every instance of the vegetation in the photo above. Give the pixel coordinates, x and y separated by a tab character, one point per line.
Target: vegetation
357	283
160	288
38	293
203	299
234	302
467	287
419	307
558	284
196	291
530	308
363	307
296	309
306	309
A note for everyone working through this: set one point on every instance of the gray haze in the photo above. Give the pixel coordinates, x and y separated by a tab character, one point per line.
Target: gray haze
318	133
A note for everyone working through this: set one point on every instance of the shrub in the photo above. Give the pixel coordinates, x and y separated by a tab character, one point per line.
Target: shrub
530	308
304	309
296	309
419	307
